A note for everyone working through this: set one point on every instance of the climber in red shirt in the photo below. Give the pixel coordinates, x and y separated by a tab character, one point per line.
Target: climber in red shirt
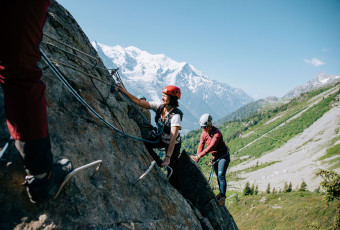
21	25
212	137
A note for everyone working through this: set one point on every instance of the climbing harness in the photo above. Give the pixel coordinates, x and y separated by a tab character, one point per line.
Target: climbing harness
4	149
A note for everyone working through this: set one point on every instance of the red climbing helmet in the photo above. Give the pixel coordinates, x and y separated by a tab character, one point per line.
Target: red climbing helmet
172	91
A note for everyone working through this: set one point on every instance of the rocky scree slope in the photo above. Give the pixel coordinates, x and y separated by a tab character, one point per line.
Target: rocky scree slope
299	158
109	200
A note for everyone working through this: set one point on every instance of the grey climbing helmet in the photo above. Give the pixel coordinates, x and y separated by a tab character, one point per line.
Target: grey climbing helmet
141	97
205	120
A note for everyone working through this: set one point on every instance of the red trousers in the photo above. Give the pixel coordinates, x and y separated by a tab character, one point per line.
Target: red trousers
21	24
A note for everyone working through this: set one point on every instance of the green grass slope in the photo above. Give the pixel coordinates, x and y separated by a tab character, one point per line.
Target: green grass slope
293	210
269	128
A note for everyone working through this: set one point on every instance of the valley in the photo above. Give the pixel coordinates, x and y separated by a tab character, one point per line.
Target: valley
282	146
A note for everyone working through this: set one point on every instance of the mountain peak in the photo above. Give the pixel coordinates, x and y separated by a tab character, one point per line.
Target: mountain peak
321	79
145	73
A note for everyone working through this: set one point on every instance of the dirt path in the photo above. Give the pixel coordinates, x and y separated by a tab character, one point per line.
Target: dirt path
298	157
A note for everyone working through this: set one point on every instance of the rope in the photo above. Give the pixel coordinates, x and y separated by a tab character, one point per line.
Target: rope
81	100
4	149
79	51
119	79
114	71
65	51
209	180
75	49
71	67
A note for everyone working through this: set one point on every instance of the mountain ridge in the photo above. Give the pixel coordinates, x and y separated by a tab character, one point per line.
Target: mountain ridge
145	73
321	80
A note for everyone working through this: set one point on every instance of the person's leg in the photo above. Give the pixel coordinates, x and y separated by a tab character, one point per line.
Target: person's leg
173	164
220	170
37	155
150	146
215	167
175	154
21	24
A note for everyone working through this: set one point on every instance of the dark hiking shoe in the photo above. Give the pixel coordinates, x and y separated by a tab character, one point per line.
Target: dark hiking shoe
42	190
221	201
218	196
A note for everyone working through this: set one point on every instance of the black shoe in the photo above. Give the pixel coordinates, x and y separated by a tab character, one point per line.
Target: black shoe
221	201
218	196
42	190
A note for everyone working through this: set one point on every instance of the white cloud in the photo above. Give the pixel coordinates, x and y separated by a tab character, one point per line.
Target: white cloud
315	62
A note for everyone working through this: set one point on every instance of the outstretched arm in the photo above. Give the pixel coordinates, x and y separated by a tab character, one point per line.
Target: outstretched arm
210	147
133	98
199	150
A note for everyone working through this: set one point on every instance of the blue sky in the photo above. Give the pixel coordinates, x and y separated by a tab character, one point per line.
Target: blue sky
265	47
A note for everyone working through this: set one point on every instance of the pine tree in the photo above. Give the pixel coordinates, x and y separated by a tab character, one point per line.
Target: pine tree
256	190
247	190
303	186
252	189
285	187
268	188
290	187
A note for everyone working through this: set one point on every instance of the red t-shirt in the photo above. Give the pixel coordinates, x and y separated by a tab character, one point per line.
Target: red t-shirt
214	142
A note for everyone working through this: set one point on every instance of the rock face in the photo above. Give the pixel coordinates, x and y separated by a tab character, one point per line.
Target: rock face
109	200
194	187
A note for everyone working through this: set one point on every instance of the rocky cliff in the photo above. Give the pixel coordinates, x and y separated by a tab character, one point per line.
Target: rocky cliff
109	200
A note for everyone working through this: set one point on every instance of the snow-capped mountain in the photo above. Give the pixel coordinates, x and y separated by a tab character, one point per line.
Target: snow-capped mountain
320	80
146	74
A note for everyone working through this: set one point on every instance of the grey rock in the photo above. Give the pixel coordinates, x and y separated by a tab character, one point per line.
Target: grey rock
109	200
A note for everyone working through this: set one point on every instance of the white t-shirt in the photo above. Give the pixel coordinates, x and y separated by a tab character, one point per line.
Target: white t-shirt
175	121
